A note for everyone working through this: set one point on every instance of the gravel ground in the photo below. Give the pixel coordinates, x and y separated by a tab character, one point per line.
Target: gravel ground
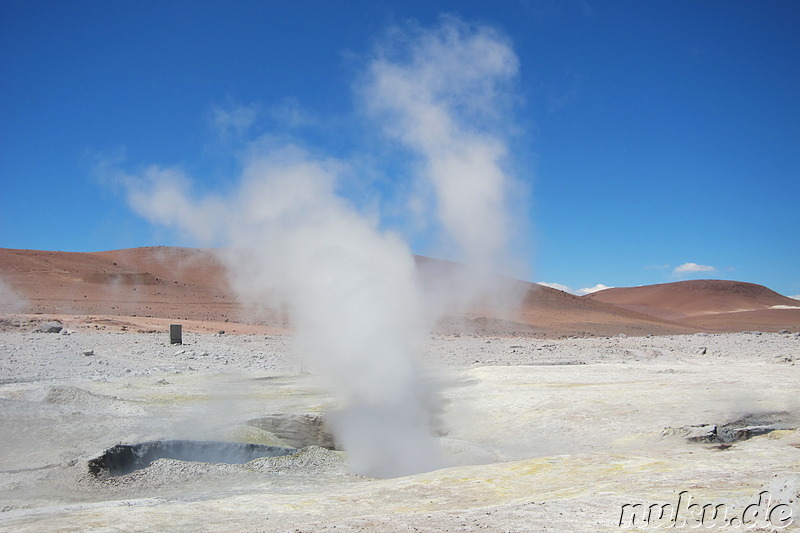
538	435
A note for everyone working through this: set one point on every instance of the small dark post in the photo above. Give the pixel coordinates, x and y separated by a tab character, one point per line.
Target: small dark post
175	334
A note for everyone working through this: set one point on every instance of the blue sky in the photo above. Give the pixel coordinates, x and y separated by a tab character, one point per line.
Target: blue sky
657	141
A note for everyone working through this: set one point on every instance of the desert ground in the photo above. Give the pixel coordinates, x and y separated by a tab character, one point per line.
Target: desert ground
569	414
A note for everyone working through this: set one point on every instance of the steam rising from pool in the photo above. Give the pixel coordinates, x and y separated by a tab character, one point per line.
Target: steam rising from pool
350	286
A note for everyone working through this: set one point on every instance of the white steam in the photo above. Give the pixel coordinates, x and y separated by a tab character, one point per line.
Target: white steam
351	288
445	99
10	300
441	100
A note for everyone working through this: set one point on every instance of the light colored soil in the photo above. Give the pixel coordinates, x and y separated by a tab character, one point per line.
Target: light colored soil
537	434
548	417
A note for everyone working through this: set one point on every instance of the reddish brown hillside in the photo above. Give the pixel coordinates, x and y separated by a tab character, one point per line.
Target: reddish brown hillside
166	282
684	299
543	310
130	286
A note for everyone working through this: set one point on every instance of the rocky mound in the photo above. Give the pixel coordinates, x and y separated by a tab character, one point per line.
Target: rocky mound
685	299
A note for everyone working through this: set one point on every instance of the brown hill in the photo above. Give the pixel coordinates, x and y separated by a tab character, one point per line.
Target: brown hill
683	299
142	288
530	308
154	282
558	312
709	304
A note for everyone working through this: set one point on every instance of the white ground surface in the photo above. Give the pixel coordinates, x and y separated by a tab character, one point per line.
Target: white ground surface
542	435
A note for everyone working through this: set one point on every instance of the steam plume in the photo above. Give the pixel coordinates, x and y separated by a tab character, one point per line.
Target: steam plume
441	99
350	287
444	94
10	300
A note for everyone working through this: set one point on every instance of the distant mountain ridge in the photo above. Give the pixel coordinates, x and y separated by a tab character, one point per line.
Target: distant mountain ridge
685	299
191	284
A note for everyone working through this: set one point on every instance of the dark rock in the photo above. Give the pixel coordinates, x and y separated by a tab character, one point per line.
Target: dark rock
744	428
50	327
699	433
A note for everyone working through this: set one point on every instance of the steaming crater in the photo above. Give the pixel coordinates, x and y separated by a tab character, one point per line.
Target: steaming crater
123	459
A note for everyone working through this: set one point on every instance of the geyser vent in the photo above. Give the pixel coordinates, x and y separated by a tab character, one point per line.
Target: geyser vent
125	458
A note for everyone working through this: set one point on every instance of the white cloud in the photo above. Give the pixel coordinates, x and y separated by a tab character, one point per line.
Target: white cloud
291	114
796	296
590	290
693	267
235	121
557	286
570	290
